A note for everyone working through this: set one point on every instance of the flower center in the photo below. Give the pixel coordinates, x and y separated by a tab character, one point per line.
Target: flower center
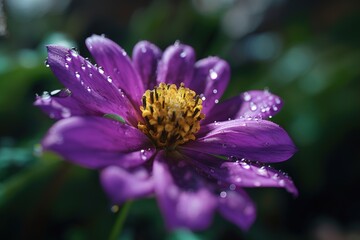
172	115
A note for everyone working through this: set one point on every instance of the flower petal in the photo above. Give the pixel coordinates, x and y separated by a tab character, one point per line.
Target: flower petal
238	208
183	200
145	59
176	65
96	142
60	104
88	86
210	80
122	185
117	65
262	140
251	104
241	173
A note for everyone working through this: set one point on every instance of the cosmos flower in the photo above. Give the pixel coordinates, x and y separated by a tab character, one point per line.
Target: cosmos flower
154	125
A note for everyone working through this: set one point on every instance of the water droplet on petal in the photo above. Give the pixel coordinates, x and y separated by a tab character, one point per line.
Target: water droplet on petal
216	101
83	67
46	96
253	106
262	171
88	89
244	164
247	96
183	54
77	75
277	100
213	74
46	63
215	91
74	52
109	79
54	92
275	108
223	194
68	58
101	70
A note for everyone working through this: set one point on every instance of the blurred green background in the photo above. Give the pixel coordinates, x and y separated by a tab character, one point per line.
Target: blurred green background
308	52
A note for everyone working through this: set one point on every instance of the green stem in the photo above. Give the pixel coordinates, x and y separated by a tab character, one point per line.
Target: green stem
119	223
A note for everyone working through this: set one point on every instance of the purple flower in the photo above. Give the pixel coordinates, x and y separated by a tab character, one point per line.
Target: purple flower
153	125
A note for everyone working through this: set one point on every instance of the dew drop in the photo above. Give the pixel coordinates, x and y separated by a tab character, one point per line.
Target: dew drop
183	54
74	52
46	96
203	98
46	63
213	74
244	165
215	91
54	92
277	100
247	96
262	171
216	101
275	176
275	108
223	194
83	67
68	58
253	106
238	179
88	89
101	70
77	75
109	79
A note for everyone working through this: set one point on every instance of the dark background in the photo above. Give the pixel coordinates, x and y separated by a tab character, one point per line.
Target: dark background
307	52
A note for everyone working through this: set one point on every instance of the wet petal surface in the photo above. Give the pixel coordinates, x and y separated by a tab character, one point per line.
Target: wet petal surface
96	142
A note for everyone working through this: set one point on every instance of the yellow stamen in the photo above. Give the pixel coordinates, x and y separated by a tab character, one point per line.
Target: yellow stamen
171	115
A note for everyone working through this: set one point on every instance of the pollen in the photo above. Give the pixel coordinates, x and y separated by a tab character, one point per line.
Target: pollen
171	115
